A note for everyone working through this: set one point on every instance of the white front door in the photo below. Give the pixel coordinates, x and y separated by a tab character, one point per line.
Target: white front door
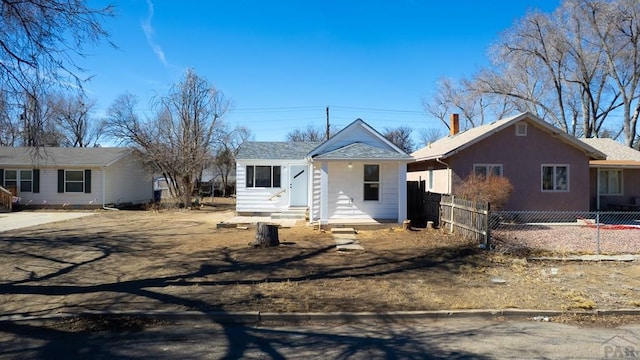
298	185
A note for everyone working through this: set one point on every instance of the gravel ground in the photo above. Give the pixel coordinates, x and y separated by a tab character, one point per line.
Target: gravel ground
568	239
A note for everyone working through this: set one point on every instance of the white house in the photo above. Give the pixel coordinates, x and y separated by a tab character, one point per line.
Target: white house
75	177
356	175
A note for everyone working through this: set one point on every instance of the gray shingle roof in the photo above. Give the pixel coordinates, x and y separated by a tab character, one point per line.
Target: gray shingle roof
360	151
55	156
613	149
258	150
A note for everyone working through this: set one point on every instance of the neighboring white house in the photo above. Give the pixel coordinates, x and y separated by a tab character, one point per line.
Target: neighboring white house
77	177
355	175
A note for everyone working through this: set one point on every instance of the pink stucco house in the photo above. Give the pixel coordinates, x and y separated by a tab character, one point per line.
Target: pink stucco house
549	169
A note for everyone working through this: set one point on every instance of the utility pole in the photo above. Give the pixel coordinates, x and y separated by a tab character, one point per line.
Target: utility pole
327	135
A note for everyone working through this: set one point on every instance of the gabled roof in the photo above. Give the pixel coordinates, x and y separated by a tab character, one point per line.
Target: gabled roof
58	156
618	155
360	151
278	150
368	145
453	144
340	145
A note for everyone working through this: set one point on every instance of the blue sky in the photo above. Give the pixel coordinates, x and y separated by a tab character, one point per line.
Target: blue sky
282	62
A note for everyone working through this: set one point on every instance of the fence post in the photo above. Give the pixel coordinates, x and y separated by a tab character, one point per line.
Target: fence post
453	207
598	232
487	226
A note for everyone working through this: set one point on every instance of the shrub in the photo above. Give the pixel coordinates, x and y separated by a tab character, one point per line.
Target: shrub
494	189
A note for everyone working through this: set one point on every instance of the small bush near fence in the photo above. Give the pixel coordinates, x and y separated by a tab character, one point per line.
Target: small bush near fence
565	232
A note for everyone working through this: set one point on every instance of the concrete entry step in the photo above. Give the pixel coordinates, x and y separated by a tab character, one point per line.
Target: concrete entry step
336	231
349	247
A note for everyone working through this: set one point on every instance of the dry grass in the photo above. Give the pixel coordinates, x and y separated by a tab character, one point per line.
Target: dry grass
178	260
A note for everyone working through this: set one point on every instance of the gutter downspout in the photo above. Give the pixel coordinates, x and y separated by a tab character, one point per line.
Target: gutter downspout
104	189
448	176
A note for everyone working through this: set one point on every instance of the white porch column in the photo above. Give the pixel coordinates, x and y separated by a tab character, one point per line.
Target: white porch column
324	193
402	192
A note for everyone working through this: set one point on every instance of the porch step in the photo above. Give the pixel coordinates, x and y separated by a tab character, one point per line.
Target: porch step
4	209
290	214
343	230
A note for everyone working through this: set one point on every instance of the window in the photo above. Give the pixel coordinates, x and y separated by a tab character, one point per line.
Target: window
11	178
555	178
371	182
263	176
486	170
521	129
26	180
610	182
21	180
74	181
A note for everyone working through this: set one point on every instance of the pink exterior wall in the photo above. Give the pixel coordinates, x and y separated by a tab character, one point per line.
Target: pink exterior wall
522	158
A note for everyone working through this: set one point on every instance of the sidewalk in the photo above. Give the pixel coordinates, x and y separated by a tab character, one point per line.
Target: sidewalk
22	219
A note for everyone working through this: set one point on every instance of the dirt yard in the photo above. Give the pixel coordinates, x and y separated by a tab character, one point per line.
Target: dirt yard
178	260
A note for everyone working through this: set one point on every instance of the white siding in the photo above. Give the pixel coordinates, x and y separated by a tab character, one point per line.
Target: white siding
346	192
260	199
127	182
49	191
316	192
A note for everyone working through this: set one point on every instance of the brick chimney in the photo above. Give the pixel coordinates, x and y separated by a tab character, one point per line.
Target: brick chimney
454	124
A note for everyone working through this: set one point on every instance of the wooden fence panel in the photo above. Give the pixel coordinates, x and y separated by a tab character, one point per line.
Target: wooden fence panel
422	205
467	218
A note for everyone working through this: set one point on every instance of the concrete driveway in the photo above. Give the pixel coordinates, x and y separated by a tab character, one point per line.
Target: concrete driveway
22	219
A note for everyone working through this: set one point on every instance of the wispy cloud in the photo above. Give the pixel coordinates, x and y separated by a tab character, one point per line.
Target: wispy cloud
149	32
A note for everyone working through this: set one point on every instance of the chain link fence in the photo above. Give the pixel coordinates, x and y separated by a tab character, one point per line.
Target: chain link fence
561	232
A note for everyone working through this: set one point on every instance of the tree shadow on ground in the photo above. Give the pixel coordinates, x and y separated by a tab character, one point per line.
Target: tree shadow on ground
53	246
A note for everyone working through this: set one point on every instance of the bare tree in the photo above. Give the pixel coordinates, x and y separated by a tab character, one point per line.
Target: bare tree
36	121
311	133
430	135
467	99
42	38
179	140
9	126
226	151
616	25
71	114
400	137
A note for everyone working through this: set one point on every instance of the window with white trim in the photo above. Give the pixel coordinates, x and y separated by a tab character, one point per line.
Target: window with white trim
610	182
555	177
11	178
26	180
21	180
486	170
263	176
371	182
74	181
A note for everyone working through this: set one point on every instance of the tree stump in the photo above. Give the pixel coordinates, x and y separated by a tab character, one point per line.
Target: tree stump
266	235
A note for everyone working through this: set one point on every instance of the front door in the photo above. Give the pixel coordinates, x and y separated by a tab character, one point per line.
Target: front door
298	185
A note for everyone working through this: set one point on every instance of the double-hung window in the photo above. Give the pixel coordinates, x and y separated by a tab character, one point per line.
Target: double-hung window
74	181
371	182
11	178
555	177
263	176
610	182
486	170
21	180
26	180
